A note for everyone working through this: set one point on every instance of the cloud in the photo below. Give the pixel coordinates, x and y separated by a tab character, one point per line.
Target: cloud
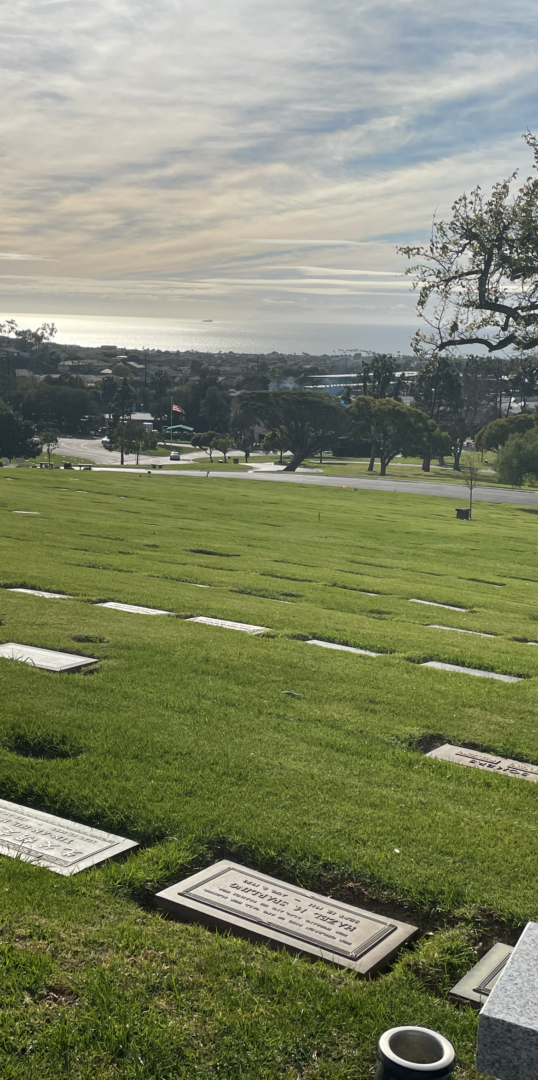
190	140
14	257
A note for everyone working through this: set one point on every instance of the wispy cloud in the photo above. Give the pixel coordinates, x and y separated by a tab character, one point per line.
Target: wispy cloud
154	151
13	256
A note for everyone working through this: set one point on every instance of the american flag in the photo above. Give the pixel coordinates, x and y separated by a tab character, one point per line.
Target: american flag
177	408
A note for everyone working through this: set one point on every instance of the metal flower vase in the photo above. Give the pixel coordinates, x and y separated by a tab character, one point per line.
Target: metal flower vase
414	1053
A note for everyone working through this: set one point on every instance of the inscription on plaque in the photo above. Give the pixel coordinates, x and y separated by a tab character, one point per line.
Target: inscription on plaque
231	895
63	846
487	762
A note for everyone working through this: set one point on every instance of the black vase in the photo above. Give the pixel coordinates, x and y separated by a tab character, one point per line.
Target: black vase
414	1053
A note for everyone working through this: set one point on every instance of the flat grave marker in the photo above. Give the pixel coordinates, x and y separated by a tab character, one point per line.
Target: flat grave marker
470	671
342	648
457	630
28	513
49	659
229	896
477	984
61	845
41	592
433	603
487	762
246	628
135	609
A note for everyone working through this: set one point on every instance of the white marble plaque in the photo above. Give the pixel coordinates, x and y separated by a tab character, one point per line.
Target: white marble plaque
44	658
232	896
487	762
246	628
28	513
470	671
41	592
456	630
136	609
342	648
433	603
45	840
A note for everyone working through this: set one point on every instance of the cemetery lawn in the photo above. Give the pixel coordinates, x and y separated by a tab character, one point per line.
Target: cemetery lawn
203	743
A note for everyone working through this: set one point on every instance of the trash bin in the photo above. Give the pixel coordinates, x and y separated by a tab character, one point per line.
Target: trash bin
463	513
235	460
67	465
414	1053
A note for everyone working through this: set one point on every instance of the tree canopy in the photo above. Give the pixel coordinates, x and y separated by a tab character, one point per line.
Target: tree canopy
394	428
206	440
517	460
477	279
17	436
308	420
497	432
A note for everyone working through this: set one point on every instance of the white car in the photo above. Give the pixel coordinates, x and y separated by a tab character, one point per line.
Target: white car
174	456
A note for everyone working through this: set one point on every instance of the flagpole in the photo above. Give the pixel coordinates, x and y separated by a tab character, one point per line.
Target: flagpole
170	422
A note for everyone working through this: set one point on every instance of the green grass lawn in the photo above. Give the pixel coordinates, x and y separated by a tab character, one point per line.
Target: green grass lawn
183	738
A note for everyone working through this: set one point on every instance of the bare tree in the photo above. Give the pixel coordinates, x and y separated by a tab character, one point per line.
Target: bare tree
470	472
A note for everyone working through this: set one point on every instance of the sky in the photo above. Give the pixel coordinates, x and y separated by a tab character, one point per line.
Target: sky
240	160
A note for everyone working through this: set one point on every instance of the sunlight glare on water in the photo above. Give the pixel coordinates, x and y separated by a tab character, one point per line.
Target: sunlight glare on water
240	337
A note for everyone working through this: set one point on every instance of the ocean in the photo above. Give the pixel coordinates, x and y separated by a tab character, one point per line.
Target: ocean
239	337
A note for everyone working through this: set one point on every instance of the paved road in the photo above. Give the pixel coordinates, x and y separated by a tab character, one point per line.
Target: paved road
93	450
405	487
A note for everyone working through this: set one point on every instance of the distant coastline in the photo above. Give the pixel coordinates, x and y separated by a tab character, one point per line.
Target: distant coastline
216	336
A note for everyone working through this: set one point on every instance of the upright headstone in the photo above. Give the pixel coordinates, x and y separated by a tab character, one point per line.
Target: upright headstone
228	896
507	1047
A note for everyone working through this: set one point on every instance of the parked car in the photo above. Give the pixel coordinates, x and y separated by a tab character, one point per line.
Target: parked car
174	455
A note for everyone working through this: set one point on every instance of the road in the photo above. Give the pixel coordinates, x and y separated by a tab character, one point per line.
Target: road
91	448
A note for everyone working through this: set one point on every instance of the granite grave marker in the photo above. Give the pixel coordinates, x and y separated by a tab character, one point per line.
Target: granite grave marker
470	671
50	659
41	592
232	897
342	648
487	762
135	609
477	984
61	845
246	628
